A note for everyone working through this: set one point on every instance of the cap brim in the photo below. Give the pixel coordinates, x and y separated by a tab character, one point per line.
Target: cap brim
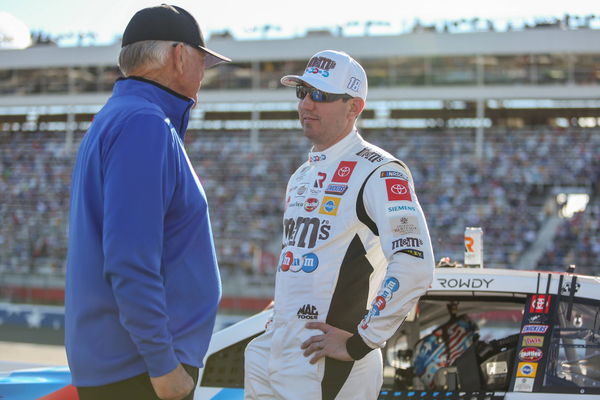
295	80
213	58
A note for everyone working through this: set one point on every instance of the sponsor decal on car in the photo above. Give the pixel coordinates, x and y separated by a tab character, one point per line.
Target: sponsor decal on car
530	354
397	189
537	341
524	384
534	328
343	172
537	318
527	369
465	283
540	303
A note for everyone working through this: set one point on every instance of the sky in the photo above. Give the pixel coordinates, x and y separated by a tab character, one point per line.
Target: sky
108	18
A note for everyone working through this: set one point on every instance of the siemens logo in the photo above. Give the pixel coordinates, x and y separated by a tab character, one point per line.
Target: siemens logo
401	208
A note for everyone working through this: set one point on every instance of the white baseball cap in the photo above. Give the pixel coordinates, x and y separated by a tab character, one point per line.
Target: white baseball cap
333	72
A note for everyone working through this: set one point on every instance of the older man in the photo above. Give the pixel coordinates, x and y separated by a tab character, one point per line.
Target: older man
356	251
142	280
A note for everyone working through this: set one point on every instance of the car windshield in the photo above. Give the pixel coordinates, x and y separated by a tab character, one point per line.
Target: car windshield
575	346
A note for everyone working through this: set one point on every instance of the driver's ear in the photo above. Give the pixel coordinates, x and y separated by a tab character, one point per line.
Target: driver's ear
357	106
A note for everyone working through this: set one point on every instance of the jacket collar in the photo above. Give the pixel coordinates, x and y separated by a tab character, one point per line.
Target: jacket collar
175	106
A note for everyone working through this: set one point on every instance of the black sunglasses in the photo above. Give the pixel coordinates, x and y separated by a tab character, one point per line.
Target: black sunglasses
319	96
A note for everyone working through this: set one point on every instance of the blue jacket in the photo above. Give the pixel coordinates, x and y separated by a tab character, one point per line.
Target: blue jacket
142	285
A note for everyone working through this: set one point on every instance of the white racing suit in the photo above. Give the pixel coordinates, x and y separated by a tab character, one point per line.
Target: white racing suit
356	255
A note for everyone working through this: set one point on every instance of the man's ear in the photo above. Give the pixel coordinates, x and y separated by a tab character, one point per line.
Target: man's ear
356	106
177	59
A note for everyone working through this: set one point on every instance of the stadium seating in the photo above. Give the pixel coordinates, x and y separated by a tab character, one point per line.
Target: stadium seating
504	192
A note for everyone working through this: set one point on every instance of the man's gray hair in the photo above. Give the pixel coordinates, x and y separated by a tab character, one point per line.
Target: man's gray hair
148	53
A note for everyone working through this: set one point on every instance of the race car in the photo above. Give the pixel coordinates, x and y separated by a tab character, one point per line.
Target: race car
476	334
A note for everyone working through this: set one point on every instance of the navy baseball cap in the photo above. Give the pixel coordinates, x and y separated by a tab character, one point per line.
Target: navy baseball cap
169	23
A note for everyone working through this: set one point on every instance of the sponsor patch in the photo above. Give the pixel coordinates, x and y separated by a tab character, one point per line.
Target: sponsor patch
344	171
308	311
305	231
392	284
527	369
397	189
286	260
317	157
311	204
379	302
392	208
537	341
370	155
393	174
406	242
301	190
530	354
404	226
336	188
411	252
310	262
534	329
330	205
321	176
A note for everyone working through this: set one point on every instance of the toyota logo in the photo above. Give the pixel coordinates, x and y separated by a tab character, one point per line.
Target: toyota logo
344	171
398	189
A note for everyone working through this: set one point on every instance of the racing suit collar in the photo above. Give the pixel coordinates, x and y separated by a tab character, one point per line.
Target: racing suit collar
337	150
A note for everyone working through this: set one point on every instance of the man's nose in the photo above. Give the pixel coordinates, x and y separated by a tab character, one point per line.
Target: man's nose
307	102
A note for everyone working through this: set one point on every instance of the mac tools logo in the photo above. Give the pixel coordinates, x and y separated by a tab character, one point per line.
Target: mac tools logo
308	311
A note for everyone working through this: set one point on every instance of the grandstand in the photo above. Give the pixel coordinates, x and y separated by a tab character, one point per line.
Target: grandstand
495	125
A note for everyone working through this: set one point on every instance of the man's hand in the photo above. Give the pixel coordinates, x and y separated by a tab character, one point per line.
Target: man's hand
332	343
173	386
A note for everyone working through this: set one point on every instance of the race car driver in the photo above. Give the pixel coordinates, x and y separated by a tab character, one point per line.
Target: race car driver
356	251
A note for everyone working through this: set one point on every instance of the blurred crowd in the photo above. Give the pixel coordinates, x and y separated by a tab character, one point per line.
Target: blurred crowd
577	241
504	192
